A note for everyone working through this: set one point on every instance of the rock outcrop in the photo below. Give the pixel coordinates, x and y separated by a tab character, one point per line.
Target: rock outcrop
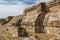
40	22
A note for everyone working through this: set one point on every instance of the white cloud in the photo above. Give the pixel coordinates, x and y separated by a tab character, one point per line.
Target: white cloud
45	0
10	10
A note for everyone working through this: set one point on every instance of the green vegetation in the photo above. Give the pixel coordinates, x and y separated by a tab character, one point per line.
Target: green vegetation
2	20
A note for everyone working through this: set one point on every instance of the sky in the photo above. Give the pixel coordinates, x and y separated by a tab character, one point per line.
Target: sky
15	7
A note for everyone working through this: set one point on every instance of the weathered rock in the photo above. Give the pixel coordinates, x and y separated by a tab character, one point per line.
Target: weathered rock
52	23
33	21
42	18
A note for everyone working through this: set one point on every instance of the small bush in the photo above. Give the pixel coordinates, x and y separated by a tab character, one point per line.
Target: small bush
2	20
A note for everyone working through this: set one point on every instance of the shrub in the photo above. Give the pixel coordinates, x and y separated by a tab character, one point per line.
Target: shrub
2	20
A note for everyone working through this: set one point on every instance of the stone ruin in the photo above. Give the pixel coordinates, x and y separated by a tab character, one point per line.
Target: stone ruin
41	21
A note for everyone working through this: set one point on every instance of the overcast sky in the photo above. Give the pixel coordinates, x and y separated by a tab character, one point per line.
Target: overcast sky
15	7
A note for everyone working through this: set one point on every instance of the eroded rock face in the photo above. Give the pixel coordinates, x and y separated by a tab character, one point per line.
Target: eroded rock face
22	32
52	19
33	19
52	23
37	19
